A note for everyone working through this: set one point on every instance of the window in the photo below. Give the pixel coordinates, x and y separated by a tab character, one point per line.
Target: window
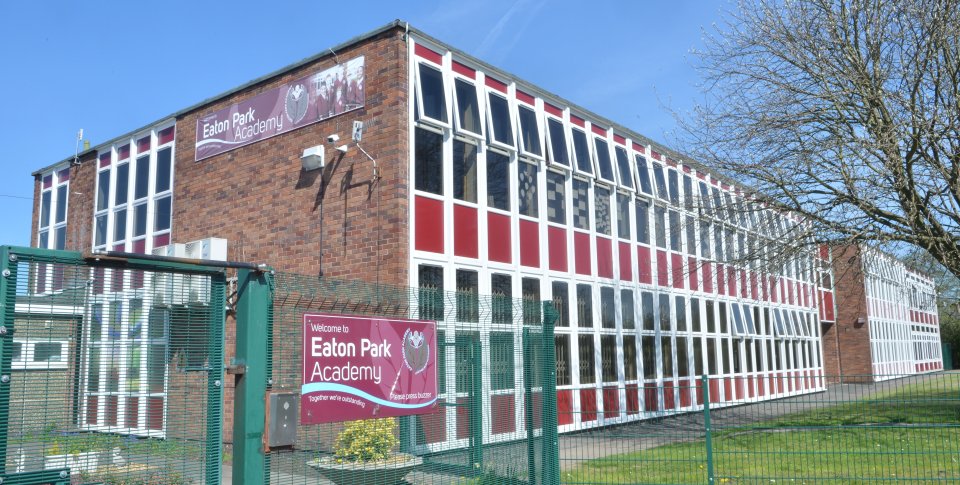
502	374
643	174
605	166
501	125
556	197
428	161
581	151
675	231
584	306
660	226
660	181
558	142
40	354
683	364
646	301
698	356
688	192
643	221
665	313
608	308
629	358
527	188
464	172
587	363
103	189
561	300
739	330
431	295
666	351
674	187
712	356
696	325
623	165
142	185
123	183
468	296
529	132
498	180
581	204
723	316
705	199
711	318
608	358
531	301
717	204
501	290
623	216
691	230
468	109
681	313
431	97
562	343
602	206
649	349
626	304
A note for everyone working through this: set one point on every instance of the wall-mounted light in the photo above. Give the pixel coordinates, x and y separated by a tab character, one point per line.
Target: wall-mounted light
312	158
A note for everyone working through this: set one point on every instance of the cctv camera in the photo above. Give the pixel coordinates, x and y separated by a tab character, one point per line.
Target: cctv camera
333	138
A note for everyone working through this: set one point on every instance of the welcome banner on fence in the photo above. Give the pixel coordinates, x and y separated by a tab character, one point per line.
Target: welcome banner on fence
363	367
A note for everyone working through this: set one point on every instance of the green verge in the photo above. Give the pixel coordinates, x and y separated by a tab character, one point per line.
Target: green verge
909	435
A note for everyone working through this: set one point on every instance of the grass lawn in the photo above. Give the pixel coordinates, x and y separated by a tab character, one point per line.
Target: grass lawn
911	435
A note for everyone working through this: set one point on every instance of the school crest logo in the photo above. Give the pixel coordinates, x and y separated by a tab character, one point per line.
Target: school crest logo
416	351
298	99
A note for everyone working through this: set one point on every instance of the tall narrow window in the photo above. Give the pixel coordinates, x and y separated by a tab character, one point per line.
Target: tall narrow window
674	187
691	230
123	182
643	221
581	151
498	180
142	186
527	188
623	216
646	300
558	142
608	358
562	343
681	313
561	300
431	96
643	173
587	359
585	306
164	164
660	226
688	192
103	190
530	287
468	300
61	214
556	197
705	206
675	231
428	161
695	323
649	349
500	121
665	313
468	109
529	132
430	297
626	312
608	308
581	204
629	358
623	165
602	206
661	182
605	166
464	171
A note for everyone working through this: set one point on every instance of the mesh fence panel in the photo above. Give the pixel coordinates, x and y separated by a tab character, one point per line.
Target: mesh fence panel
111	372
487	425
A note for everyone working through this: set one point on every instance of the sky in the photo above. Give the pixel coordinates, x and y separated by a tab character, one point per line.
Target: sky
112	67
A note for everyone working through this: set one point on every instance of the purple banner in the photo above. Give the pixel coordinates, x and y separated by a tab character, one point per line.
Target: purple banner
363	367
293	105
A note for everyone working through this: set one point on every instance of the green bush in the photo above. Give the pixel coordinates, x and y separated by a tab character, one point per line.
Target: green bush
367	440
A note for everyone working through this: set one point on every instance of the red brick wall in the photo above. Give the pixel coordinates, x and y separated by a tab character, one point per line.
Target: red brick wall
336	221
846	344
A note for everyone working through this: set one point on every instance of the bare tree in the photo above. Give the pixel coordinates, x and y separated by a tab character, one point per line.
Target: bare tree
843	111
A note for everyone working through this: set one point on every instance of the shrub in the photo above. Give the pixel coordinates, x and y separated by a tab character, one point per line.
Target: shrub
367	440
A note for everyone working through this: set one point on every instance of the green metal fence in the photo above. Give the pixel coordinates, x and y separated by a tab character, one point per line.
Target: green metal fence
110	369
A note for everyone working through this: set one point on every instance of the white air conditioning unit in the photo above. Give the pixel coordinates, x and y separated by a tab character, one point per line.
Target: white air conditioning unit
170	289
209	249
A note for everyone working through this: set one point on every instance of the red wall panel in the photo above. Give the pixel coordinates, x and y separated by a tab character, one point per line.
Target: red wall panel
529	244
604	258
465	231
626	261
693	274
581	253
498	238
676	266
707	270
644	266
557	246
429	225
662	270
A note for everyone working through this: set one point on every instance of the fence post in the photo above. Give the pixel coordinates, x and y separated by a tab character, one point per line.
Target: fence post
253	314
8	296
215	384
528	406
476	404
705	383
549	421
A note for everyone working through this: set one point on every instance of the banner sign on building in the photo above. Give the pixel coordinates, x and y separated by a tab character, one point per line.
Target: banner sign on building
293	105
365	367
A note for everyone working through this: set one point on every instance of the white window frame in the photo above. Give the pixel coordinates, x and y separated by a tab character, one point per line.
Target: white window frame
573	153
28	351
537	119
595	155
423	118
566	142
481	105
492	142
618	148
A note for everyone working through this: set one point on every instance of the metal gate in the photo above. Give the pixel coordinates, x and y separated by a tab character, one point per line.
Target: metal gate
110	369
496	383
